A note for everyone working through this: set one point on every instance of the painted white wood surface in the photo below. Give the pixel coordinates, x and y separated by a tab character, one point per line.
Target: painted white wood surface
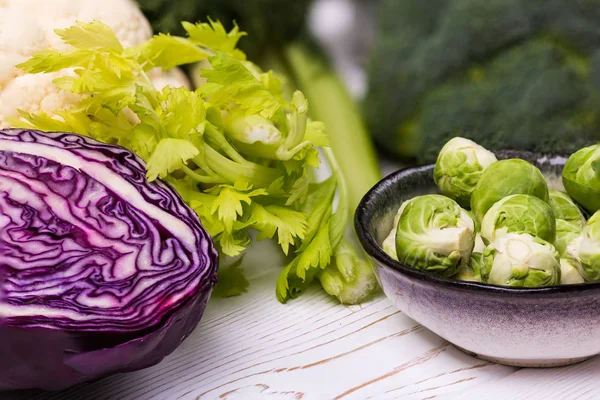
252	347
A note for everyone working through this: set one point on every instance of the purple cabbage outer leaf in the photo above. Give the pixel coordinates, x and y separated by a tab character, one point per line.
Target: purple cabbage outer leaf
100	270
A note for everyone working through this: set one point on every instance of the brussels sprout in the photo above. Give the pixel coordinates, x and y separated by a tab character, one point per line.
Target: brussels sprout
569	219
503	178
479	245
458	168
521	260
584	250
520	213
581	177
472	271
565	233
389	244
569	274
472	215
565	208
435	234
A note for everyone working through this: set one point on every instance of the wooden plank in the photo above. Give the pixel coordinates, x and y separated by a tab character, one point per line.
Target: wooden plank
579	381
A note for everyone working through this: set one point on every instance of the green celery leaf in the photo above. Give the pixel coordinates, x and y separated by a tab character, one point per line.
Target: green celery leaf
316	134
317	254
231	280
289	224
114	99
230	80
228	202
167	52
168	156
183	113
41	121
318	207
289	285
232	244
51	60
142	141
213	35
93	35
299	190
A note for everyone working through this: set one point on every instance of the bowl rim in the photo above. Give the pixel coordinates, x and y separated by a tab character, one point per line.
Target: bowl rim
365	211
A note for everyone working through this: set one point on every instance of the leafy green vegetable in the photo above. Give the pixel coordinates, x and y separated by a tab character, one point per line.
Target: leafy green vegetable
503	178
521	260
471	272
269	23
231	280
583	251
517	74
278	40
520	213
569	274
435	234
458	168
580	177
569	219
202	141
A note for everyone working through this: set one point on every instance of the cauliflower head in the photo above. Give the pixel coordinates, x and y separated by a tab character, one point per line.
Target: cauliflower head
27	26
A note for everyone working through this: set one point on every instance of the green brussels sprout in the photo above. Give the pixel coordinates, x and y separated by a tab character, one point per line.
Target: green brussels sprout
520	213
569	274
458	168
506	177
479	245
389	244
472	215
435	235
584	250
581	177
569	219
471	272
520	260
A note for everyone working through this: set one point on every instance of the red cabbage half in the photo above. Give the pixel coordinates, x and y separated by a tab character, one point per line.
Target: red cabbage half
100	271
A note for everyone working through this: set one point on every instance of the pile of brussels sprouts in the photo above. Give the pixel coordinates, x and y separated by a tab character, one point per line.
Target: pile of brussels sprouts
496	222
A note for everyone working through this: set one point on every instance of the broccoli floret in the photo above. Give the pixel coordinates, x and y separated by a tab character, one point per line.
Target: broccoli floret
522	74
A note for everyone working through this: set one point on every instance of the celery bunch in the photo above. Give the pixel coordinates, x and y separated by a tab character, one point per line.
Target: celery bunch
238	151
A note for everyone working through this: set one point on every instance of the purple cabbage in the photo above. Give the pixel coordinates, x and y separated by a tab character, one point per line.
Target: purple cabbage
100	271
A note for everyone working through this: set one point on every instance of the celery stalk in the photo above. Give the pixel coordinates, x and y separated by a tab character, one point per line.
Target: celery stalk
331	103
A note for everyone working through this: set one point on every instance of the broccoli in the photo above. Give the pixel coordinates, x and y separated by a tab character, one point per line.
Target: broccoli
522	74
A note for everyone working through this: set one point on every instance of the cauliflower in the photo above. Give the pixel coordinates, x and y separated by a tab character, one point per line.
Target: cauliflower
27	26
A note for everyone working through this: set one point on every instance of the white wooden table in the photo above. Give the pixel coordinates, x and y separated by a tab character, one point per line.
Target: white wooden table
252	347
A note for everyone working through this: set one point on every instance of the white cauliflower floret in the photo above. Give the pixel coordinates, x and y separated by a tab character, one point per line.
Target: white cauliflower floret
174	78
27	26
33	93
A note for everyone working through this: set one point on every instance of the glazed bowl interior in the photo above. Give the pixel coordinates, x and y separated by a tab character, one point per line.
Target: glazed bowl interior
509	325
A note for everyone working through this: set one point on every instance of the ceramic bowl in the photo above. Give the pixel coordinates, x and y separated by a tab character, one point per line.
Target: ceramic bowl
539	327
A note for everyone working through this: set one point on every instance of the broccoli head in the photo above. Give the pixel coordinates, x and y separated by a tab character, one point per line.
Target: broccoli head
521	74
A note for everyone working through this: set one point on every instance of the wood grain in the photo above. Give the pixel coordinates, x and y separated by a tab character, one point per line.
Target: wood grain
252	347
